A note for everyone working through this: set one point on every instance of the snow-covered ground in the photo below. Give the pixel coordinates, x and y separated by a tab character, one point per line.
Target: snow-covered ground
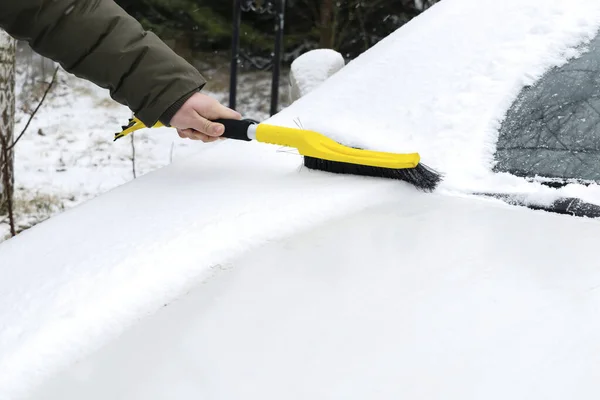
68	156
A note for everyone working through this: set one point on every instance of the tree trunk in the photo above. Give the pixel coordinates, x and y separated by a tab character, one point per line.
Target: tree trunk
7	117
327	27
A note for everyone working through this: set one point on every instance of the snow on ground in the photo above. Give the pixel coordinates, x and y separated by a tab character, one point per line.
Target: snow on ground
70	151
68	156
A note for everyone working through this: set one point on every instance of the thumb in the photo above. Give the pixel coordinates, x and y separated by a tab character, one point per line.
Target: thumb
211	128
203	125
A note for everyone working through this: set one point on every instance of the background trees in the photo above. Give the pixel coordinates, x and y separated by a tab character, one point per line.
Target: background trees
348	26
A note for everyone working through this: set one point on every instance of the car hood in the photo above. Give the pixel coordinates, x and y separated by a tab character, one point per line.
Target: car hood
414	296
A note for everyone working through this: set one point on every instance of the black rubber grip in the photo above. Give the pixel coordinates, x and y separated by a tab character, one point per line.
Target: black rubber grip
236	129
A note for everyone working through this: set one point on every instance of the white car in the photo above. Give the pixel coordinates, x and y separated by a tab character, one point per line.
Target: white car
239	274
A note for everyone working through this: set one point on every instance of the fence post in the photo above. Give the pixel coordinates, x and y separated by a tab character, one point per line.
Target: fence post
235	52
279	27
276	8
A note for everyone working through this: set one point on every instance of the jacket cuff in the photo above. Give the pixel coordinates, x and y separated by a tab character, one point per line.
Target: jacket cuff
170	112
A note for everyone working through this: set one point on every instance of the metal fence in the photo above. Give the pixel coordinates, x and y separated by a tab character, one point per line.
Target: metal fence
276	10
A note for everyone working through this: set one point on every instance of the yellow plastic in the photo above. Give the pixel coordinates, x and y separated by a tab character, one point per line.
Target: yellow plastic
313	144
134	125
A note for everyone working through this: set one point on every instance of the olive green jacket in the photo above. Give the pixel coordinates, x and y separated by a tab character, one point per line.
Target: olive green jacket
98	41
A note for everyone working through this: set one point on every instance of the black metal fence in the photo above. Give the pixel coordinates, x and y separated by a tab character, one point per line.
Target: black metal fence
276	10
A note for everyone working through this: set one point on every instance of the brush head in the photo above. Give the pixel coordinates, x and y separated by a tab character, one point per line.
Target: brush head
422	177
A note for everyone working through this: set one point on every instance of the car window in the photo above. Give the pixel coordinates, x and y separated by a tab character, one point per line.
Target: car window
553	128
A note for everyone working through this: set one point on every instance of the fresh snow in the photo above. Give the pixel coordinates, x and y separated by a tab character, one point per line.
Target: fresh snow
67	155
311	69
403	294
101	266
74	153
442	83
413	299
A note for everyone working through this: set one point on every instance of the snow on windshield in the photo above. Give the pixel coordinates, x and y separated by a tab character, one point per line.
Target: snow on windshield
552	130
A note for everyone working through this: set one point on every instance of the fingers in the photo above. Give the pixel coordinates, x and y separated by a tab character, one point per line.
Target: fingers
226	113
205	123
205	126
195	135
195	119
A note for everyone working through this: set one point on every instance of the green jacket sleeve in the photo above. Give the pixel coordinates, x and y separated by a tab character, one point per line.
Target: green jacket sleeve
98	41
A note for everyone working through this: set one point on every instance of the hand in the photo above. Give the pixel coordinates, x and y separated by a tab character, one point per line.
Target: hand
194	119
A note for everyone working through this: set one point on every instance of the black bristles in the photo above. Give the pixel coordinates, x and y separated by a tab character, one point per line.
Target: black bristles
422	177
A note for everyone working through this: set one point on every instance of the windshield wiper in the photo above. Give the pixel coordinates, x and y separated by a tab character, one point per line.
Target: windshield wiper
566	205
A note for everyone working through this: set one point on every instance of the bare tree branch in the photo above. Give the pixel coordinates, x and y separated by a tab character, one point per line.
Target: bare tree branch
32	115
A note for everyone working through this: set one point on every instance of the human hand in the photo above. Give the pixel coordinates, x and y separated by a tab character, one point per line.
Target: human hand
194	119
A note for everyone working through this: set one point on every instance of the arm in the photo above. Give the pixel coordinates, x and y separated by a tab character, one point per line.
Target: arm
98	41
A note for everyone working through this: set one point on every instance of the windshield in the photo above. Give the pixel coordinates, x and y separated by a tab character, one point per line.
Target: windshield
552	130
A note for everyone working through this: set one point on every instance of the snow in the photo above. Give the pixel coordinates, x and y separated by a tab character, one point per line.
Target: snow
311	69
81	119
442	83
67	155
335	286
430	315
138	247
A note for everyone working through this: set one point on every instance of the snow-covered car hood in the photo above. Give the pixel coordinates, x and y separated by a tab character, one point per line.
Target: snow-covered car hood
440	86
420	297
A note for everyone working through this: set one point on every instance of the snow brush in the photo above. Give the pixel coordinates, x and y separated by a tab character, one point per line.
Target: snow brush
324	154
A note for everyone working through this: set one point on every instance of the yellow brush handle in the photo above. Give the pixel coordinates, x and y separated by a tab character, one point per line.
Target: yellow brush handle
314	144
134	125
308	143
